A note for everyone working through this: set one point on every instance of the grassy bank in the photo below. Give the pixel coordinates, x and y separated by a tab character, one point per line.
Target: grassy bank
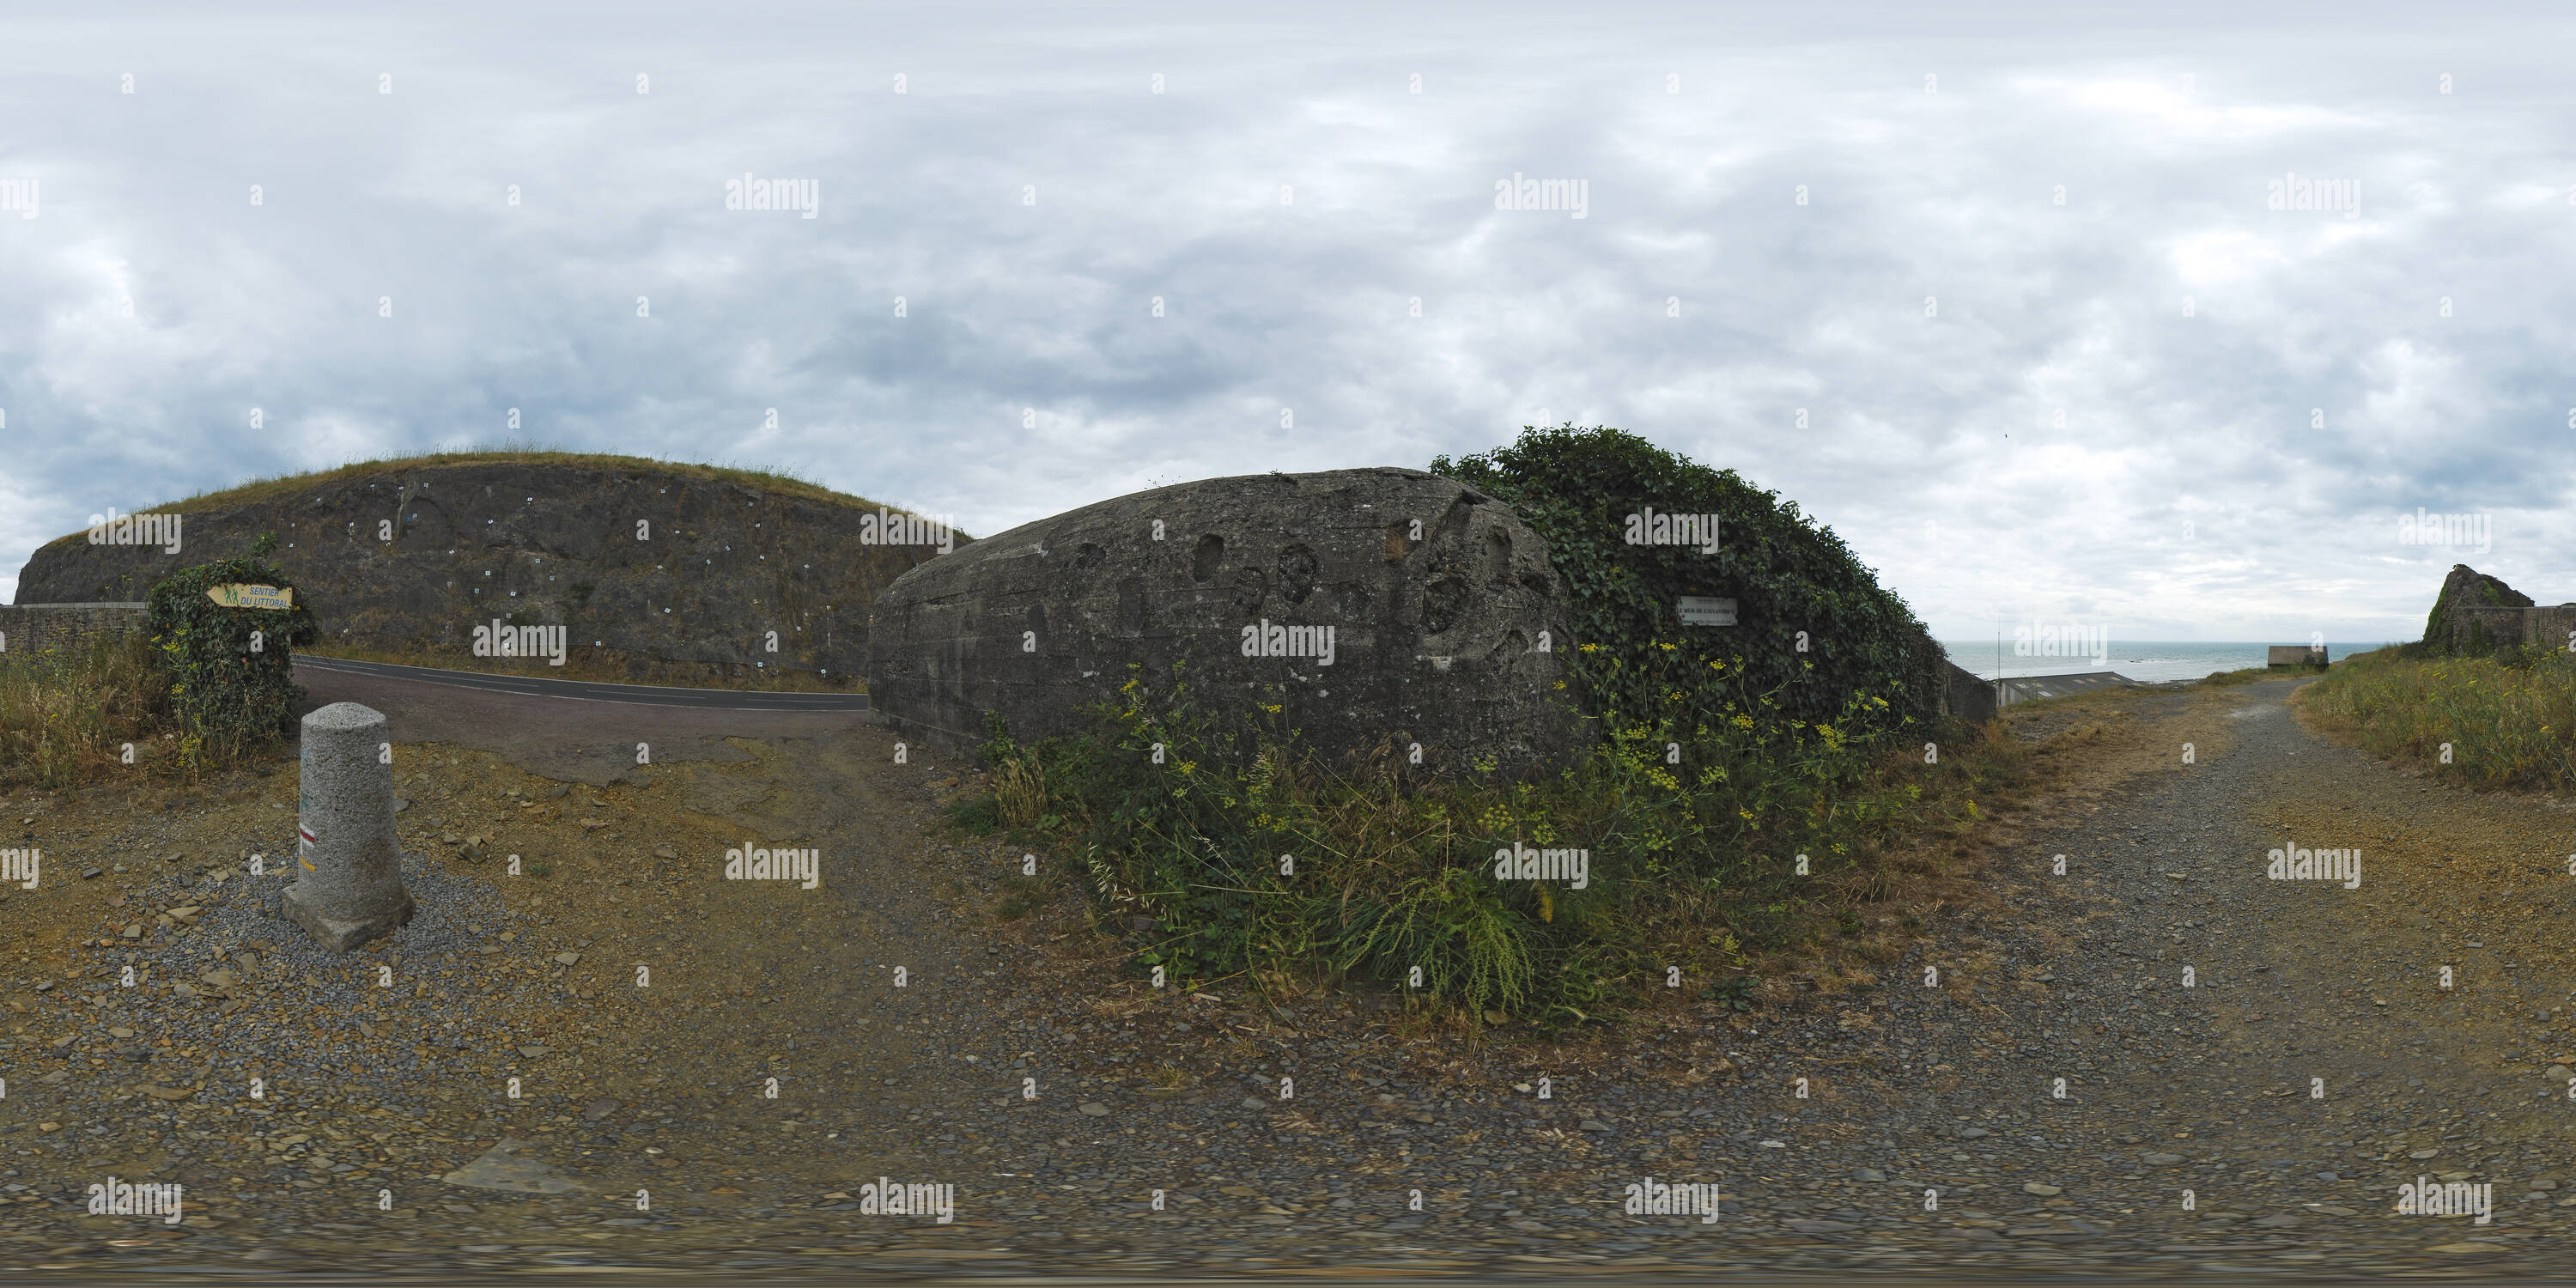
2508	720
270	487
1244	855
66	715
2231	679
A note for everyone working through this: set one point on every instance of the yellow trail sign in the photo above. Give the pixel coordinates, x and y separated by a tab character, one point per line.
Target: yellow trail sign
239	596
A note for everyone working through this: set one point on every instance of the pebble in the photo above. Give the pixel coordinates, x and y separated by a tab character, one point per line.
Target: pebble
1286	1187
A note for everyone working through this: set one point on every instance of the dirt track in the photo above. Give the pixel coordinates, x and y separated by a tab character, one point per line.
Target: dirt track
1947	1089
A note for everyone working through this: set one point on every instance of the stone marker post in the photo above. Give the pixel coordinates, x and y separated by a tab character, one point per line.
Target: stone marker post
348	886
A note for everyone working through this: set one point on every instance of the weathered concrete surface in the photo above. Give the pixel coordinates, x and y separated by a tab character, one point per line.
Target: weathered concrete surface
2481	628
1965	697
348	886
1445	615
723	563
2475	612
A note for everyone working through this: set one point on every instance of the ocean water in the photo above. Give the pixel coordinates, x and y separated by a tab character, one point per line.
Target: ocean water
2138	660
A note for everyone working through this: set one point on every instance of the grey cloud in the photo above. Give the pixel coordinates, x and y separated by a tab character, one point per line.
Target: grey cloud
2170	420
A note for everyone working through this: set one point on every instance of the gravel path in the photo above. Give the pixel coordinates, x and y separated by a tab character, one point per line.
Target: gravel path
1932	1136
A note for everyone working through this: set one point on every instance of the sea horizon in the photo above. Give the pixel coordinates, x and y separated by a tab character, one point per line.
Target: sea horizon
2149	660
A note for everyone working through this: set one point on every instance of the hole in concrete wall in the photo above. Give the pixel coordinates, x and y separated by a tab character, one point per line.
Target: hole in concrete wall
1089	557
1453	526
1494	560
1442	601
1251	586
1297	567
1205	560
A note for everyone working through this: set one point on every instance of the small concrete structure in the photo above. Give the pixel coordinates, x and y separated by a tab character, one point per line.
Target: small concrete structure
2286	656
2038	688
348	886
1363	607
1967	698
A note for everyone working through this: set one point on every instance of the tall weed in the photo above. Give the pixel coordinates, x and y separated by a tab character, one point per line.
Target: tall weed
2508	720
67	714
1249	855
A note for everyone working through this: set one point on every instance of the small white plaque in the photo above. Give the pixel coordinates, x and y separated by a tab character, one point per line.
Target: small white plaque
1696	611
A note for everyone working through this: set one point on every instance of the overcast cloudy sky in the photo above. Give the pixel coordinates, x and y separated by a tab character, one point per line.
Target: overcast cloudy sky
2008	212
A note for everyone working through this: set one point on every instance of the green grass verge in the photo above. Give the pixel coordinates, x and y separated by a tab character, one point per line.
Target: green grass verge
1250	857
2508	720
66	715
2231	679
276	486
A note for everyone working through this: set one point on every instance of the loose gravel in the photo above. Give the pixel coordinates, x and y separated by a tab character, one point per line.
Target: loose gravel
1933	1133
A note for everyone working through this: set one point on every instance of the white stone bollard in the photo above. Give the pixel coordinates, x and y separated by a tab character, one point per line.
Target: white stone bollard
348	886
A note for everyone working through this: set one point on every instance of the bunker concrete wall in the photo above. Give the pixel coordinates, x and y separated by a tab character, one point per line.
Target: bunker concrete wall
721	564
1965	697
1446	615
2550	626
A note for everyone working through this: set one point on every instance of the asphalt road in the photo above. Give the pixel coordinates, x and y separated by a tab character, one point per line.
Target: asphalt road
588	691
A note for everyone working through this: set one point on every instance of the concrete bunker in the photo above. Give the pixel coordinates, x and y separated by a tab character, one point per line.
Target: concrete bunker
1374	606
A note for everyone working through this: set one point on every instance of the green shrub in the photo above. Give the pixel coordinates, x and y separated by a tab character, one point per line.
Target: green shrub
232	680
1728	756
1790	579
1691	863
2509	719
980	816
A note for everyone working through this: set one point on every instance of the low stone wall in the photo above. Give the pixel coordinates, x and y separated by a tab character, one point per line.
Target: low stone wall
38	628
2552	627
2549	627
